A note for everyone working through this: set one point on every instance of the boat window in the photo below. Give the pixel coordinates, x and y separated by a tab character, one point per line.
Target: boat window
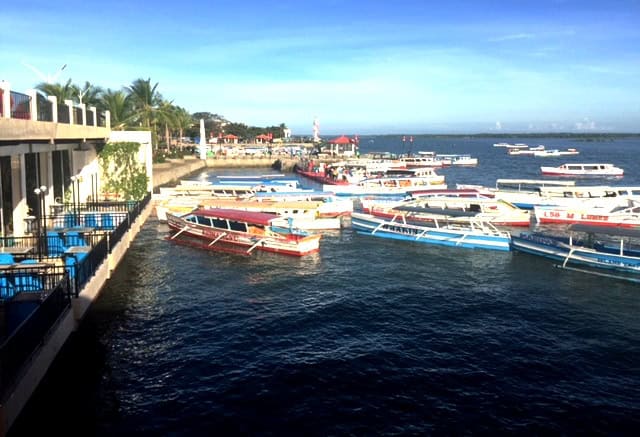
192	219
238	226
203	220
219	223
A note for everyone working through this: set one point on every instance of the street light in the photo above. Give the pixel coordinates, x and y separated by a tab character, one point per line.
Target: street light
75	190
42	221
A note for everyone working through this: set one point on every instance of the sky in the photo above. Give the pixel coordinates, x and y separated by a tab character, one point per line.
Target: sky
358	67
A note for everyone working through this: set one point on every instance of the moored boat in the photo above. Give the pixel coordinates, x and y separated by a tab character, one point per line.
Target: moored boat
583	170
611	215
592	250
475	235
242	232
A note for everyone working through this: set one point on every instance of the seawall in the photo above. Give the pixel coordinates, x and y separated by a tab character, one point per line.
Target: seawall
174	169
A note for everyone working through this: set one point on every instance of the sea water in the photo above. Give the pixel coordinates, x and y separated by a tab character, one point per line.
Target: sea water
369	336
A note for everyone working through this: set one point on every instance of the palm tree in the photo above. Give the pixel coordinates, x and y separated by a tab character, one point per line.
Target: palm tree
118	104
88	94
183	120
145	100
62	92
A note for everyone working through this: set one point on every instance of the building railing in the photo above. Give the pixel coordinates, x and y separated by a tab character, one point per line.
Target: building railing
45	108
77	115
63	113
20	106
53	296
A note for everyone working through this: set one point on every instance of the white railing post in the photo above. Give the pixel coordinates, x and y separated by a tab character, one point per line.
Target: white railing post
83	108
6	99
54	108
33	104
95	119
69	104
107	119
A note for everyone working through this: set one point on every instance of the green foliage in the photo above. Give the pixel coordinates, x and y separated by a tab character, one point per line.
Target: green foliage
123	174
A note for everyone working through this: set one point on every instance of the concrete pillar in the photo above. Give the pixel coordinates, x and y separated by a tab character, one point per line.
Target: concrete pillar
54	107
6	99
95	118
107	119
33	104
83	108
18	193
69	104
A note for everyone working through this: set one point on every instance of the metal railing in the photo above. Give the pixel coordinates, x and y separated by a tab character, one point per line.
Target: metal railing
89	118
102	120
63	113
24	340
1	102
77	115
66	282
45	108
20	106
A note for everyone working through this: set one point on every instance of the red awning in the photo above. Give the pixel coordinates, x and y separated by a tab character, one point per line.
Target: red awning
231	137
262	137
341	140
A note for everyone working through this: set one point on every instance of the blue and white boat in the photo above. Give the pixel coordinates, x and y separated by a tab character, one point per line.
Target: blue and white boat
588	249
476	235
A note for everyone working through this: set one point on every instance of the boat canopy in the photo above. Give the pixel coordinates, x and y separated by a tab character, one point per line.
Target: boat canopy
254	217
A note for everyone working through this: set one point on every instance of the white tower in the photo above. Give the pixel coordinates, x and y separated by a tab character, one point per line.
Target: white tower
316	130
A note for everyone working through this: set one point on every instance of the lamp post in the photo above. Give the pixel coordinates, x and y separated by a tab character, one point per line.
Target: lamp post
73	197
42	220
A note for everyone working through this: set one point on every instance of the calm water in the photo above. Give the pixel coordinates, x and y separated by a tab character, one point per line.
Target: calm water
368	336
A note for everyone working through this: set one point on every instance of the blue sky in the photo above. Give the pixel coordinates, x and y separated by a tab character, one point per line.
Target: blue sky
358	66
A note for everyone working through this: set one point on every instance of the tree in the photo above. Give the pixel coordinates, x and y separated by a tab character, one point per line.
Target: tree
123	174
88	94
61	92
118	104
145	100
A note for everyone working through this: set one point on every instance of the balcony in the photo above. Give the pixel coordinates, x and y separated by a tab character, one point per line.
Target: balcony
33	117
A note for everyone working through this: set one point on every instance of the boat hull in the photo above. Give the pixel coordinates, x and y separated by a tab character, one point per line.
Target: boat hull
450	236
204	237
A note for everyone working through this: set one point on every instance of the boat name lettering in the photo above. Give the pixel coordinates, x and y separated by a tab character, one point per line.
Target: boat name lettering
602	218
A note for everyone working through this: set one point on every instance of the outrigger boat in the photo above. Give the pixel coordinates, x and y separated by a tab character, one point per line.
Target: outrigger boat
609	214
461	210
242	232
599	248
475	235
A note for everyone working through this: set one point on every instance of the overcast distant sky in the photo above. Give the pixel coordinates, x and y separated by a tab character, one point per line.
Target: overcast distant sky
366	66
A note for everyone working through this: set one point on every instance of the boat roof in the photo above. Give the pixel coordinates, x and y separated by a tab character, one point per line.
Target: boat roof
606	230
259	218
536	182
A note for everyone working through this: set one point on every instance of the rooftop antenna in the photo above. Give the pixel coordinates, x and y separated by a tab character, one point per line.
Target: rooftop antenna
45	78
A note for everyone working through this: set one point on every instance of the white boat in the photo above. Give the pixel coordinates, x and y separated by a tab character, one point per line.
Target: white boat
620	215
476	235
306	215
461	210
583	170
501	145
461	160
400	182
555	152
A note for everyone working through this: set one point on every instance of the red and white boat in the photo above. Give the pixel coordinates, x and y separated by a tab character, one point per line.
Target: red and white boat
620	215
583	170
242	232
